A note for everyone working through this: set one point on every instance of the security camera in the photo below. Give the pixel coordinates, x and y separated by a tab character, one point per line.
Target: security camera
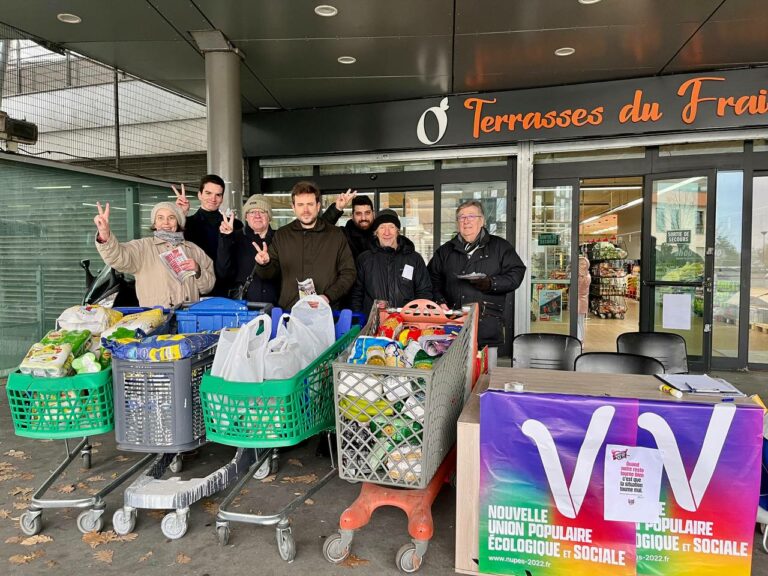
19	131
373	176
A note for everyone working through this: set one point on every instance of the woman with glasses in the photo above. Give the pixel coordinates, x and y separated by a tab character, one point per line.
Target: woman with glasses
236	253
476	266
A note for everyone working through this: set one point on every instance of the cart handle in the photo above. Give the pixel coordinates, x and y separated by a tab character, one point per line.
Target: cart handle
421	309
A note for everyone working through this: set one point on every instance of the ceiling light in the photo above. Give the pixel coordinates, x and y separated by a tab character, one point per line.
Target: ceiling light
588	2
347	59
326	10
69	18
565	51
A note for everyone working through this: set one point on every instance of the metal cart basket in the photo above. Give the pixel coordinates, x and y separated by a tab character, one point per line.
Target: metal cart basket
396	425
63	408
268	415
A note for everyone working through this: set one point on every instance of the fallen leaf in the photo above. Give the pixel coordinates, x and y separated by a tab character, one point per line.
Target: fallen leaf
182	558
25	558
96	444
66	489
104	556
20	505
28	476
4	477
82	485
97	478
6	466
309	502
13	540
16	454
211	507
94	539
146	556
269	479
4	513
353	561
130	537
306	479
93	491
36	539
121	458
295	462
51	563
19	490
114	475
158	514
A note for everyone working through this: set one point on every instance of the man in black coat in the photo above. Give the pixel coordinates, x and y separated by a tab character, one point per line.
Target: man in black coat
476	266
202	227
391	270
358	229
235	259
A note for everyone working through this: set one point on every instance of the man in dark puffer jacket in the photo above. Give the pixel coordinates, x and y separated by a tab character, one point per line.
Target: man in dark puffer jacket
391	270
495	267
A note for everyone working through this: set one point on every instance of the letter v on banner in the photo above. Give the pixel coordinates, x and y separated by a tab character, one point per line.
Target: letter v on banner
568	500
689	493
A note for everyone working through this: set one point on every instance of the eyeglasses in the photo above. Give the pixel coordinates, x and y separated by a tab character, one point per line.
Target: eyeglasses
468	217
259	213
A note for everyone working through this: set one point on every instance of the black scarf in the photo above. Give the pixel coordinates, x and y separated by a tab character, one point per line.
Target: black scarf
469	247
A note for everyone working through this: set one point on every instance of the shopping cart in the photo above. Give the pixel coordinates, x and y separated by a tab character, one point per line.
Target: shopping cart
396	428
65	408
269	415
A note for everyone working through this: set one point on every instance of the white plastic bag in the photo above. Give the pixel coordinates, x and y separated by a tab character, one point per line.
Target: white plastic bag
312	326
244	359
283	358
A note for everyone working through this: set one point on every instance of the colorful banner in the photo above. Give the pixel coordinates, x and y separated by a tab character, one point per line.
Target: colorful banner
553	467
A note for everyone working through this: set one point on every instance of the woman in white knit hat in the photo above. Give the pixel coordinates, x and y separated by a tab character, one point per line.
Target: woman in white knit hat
168	269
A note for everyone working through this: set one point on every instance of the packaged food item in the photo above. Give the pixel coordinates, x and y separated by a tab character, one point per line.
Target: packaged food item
366	347
48	360
79	340
391	327
92	317
360	386
396	429
362	410
404	463
166	347
436	344
423	361
306	287
86	364
141	323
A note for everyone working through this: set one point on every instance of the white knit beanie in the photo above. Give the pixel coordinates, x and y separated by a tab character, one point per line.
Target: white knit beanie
180	218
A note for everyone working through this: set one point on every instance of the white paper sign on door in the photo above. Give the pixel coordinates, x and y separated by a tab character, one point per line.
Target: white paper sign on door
676	312
632	484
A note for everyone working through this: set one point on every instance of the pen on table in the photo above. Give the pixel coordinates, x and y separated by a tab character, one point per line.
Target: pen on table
671	391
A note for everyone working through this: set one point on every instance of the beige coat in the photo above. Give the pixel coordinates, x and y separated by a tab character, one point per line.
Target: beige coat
155	286
585	278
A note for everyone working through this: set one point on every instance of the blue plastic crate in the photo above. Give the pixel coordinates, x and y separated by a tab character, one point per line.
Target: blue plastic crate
217	313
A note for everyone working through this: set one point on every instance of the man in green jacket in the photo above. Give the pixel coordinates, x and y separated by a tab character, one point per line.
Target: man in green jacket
308	248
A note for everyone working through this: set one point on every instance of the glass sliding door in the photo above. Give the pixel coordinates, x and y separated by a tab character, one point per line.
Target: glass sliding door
758	291
416	210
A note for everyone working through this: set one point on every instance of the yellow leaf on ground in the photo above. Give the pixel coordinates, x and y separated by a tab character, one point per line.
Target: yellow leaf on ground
295	462
27	476
211	507
16	454
121	458
353	561
13	539
104	556
51	563
126	538
25	558
20	505
36	539
309	502
157	514
269	479
19	490
182	558
4	513
306	479
94	539
66	489
146	556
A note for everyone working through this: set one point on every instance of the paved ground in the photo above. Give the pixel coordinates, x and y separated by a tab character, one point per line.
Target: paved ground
25	463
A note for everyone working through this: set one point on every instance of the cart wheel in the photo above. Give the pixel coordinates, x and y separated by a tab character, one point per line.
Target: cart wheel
407	560
90	521
621	316
333	551
263	470
602	316
223	533
176	464
86	456
31	523
286	545
174	525
123	521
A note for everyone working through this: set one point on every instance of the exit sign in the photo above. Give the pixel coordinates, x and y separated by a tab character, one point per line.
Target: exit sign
549	239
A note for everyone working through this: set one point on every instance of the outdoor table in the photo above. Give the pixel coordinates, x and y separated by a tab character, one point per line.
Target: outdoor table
524	508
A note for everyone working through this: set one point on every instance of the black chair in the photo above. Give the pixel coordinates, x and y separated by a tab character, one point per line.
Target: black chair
667	348
617	363
548	351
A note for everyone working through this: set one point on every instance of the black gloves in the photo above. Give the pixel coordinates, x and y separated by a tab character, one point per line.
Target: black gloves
483	284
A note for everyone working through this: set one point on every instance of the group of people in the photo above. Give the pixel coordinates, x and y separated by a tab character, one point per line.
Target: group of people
352	266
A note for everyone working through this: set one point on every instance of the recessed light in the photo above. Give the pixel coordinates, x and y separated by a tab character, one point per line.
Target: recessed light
69	18
326	10
347	59
565	51
588	2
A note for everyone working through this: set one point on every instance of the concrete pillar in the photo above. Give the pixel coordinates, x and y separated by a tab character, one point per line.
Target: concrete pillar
5	48
225	148
523	234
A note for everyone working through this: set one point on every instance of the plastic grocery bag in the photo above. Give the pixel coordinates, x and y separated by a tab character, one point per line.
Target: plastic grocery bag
91	317
242	359
283	358
312	326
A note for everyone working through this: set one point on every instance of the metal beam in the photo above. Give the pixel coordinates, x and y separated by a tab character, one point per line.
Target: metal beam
524	191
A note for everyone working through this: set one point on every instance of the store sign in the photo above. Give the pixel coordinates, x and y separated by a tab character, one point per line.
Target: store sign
580	485
716	100
549	239
678	236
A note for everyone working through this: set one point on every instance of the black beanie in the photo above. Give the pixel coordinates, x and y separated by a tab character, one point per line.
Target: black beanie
385	216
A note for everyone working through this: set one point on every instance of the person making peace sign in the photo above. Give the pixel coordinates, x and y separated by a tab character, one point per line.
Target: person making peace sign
155	283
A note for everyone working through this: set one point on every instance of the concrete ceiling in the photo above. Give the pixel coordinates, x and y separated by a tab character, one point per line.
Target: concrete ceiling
404	48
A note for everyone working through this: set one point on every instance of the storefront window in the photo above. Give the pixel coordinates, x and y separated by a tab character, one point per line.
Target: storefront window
590	155
728	224
701	148
758	293
286	171
375	168
416	212
282	213
492	195
474	162
551	259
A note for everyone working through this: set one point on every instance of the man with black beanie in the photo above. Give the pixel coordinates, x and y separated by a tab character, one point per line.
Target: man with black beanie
358	228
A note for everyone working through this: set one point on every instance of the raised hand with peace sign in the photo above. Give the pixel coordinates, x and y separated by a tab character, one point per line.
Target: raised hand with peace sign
343	199
228	223
262	254
181	199
102	221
